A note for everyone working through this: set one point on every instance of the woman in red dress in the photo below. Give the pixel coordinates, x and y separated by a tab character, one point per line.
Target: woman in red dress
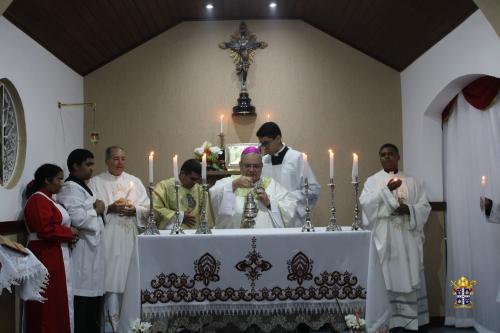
50	232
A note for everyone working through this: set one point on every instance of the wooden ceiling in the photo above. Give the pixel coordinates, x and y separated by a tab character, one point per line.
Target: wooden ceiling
86	34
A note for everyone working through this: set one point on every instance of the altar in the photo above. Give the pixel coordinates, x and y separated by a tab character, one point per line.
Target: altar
263	277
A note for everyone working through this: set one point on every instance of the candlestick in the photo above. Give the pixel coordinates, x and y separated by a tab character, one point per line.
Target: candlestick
332	224
151	160
308	226
204	168
354	167
356	224
177	227
203	226
331	163
151	228
176	169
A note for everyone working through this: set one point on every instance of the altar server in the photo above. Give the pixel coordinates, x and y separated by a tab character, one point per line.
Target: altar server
127	203
276	206
396	209
285	165
88	253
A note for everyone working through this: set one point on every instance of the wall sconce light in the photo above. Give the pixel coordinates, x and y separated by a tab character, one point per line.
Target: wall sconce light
94	136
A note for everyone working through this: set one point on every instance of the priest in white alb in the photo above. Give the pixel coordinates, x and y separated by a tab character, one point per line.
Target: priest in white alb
286	166
396	209
276	206
127	203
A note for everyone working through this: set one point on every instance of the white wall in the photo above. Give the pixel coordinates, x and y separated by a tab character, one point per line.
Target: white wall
41	80
430	82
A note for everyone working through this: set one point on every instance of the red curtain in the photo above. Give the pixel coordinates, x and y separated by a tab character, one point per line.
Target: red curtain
480	94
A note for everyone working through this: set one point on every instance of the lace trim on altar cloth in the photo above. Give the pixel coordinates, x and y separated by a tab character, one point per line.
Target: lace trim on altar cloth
265	322
27	271
264	316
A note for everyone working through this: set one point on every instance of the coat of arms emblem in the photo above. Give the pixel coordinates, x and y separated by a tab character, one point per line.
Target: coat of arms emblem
463	290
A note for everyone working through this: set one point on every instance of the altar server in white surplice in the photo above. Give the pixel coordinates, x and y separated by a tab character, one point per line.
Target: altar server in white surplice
285	165
396	209
127	204
275	204
87	256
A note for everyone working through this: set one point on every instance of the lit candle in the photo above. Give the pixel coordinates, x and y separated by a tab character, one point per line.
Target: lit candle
483	185
151	159
354	167
204	168
268	116
222	123
331	163
304	158
130	186
176	169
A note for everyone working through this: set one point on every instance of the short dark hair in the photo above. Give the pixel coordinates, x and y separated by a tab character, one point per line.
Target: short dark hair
389	145
78	156
191	165
109	151
45	171
269	129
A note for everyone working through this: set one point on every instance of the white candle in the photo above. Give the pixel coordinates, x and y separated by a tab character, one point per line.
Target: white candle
204	168
151	159
304	158
130	186
483	185
331	163
222	123
354	167
176	169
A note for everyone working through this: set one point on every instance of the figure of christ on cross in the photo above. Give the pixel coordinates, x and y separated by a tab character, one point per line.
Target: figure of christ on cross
243	46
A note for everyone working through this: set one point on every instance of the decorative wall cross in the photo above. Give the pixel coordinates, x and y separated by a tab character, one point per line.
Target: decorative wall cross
242	48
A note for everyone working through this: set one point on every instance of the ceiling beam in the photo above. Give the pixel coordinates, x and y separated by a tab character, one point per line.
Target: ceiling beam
3	5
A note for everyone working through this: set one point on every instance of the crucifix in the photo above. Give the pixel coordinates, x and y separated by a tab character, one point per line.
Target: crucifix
242	48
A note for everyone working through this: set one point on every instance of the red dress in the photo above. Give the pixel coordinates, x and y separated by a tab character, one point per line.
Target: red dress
48	240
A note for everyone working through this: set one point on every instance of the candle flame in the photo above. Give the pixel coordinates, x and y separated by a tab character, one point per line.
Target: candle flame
305	156
221	116
355	156
151	154
483	181
268	116
331	152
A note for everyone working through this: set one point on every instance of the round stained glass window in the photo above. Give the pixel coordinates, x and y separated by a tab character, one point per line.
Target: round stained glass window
12	135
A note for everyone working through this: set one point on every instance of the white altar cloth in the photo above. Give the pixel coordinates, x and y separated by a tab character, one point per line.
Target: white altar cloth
266	277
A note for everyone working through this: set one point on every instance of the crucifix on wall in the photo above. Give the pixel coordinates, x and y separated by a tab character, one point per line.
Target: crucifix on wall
242	48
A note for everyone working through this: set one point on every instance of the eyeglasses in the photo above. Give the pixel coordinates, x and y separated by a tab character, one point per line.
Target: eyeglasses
249	166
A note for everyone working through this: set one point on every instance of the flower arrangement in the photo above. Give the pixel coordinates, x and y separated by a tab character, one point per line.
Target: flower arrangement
139	326
212	151
355	323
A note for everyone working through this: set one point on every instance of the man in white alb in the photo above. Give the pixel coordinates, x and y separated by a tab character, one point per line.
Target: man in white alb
275	204
396	209
127	204
285	165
